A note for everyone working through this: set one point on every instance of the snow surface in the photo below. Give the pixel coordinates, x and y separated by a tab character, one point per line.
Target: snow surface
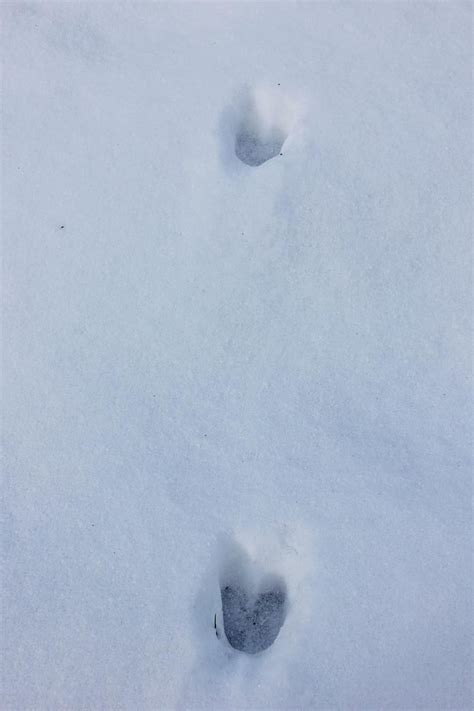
203	357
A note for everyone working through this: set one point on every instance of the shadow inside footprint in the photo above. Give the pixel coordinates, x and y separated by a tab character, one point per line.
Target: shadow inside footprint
254	147
252	621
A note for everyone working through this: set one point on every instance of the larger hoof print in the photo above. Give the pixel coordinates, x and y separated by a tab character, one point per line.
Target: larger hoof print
253	618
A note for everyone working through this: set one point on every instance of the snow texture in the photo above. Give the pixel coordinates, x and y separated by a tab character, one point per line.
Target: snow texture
236	354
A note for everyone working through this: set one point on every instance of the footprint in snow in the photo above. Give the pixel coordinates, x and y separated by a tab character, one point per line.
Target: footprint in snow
262	127
253	604
252	621
254	146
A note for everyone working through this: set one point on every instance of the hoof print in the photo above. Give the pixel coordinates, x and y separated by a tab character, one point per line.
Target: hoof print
253	619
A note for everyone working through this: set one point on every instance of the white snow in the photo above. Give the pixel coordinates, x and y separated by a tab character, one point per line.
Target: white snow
198	351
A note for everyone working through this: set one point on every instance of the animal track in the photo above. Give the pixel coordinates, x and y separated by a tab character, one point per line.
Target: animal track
254	604
252	622
254	146
262	128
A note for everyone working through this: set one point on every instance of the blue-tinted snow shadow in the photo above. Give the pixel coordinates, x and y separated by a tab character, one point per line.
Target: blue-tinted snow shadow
226	130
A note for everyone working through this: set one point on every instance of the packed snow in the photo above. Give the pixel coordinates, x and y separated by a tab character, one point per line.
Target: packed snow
236	355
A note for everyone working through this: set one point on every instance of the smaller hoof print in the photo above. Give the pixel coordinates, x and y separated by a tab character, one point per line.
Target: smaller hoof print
253	148
262	127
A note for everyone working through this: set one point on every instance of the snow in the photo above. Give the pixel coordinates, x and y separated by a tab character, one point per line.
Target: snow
211	368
